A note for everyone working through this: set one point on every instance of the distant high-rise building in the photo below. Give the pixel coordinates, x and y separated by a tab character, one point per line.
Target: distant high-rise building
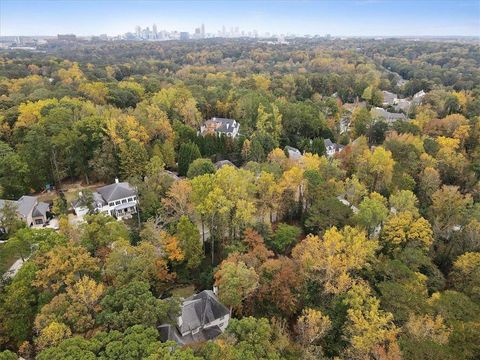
154	29
138	31
203	30
184	35
224	32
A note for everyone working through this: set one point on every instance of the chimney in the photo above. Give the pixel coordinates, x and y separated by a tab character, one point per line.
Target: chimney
116	180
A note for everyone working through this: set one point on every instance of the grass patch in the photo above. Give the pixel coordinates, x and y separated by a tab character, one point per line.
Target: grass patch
184	291
6	259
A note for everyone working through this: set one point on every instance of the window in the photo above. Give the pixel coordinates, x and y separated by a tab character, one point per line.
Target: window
124	201
38	221
117	202
111	204
130	199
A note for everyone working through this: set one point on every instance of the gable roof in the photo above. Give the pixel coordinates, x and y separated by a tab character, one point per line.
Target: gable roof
40	209
328	143
116	191
25	205
201	309
389	116
170	332
222	125
388	97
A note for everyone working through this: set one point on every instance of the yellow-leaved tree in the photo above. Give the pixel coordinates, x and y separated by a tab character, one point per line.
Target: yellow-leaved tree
331	260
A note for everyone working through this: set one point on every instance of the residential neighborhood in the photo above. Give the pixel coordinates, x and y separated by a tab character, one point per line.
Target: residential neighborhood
239	180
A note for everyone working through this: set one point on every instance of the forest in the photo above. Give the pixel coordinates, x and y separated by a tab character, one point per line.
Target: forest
370	253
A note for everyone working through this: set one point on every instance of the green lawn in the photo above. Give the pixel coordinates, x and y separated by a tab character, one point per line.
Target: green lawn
6	259
184	291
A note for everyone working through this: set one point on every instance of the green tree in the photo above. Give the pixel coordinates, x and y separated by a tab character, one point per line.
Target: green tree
190	243
9	219
13	173
284	236
100	231
186	155
134	304
133	159
18	306
372	211
200	167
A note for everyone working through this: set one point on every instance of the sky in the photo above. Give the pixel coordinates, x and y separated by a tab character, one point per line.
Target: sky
338	18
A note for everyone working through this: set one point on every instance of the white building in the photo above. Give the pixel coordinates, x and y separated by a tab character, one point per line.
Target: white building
331	147
219	126
118	200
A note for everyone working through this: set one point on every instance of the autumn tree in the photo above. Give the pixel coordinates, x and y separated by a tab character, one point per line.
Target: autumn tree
62	266
279	283
235	282
375	168
311	327
403	229
465	274
368	328
332	259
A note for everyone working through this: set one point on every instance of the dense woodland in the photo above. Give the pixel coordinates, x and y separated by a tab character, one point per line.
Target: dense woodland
371	254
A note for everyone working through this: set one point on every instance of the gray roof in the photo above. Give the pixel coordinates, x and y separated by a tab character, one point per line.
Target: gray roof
223	125
389	116
222	163
293	153
201	309
41	209
388	97
25	205
116	191
170	333
403	105
328	143
198	311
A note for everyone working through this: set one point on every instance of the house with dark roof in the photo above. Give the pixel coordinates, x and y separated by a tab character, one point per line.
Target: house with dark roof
379	113
203	317
220	126
118	200
30	210
389	98
331	147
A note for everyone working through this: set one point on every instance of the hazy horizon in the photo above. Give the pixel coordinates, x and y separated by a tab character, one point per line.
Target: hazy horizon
339	18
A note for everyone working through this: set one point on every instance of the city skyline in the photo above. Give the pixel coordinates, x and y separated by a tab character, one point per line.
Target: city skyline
340	18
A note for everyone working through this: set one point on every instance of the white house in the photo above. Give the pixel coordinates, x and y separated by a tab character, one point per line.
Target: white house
203	317
332	148
118	200
220	126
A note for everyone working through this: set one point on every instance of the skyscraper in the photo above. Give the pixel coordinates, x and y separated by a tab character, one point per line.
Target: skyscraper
203	30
